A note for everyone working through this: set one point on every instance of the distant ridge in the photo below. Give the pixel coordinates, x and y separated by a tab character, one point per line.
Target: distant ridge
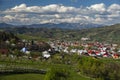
3	25
53	25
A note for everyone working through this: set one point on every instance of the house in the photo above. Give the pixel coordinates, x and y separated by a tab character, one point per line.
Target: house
98	53
114	45
85	38
66	50
46	54
115	56
4	51
92	53
27	52
24	49
105	55
73	50
79	52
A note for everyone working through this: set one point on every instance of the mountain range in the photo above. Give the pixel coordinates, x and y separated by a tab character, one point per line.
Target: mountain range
53	25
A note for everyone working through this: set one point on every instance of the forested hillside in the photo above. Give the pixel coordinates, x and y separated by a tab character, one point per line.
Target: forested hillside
107	33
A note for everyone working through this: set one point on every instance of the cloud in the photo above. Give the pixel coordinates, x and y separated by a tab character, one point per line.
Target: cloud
114	7
9	17
57	13
98	7
19	8
58	8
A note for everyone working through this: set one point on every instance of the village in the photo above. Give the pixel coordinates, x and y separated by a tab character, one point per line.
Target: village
94	49
60	40
32	49
18	56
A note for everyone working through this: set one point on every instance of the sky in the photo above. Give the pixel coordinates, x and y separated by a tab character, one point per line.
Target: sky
26	12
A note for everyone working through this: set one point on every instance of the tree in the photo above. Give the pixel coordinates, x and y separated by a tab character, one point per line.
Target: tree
57	74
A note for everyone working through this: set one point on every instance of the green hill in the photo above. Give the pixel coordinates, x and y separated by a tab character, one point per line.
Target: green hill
107	33
4	36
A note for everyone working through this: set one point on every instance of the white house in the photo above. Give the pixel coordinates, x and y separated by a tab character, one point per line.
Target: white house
23	49
85	38
80	52
46	54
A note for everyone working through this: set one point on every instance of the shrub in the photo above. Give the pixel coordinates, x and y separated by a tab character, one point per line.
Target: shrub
57	74
100	70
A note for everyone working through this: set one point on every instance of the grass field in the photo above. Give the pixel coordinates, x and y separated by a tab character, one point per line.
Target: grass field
35	77
8	63
22	77
46	65
28	37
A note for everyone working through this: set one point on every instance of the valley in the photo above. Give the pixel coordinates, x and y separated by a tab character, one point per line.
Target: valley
55	53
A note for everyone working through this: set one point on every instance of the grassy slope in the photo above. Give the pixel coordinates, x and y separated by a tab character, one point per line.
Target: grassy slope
29	37
37	64
44	65
22	77
36	77
107	33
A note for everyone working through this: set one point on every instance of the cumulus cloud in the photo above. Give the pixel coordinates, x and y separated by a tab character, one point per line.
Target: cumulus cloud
97	7
57	13
19	8
58	8
114	7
